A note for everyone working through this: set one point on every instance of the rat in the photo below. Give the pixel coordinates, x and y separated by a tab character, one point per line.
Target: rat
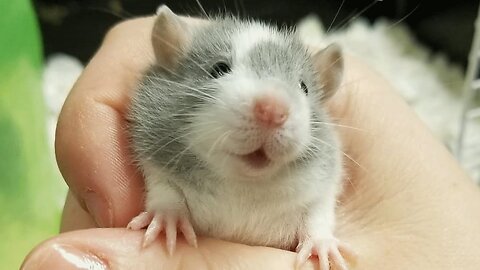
230	130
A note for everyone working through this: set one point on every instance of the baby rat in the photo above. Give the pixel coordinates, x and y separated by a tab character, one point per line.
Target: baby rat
231	134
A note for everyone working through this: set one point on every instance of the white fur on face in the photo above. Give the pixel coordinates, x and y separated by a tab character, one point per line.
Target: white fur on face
228	128
246	39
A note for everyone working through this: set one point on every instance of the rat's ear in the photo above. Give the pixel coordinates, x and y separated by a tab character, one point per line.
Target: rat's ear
329	66
169	36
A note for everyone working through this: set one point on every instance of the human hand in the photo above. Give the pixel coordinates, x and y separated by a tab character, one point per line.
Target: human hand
406	202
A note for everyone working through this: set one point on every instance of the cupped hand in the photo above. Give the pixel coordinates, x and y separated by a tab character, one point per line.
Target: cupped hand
406	202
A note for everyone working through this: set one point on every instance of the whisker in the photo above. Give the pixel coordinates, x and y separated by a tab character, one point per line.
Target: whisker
338	125
347	20
177	157
186	134
403	18
203	10
169	142
345	154
239	7
335	17
167	43
226	133
202	93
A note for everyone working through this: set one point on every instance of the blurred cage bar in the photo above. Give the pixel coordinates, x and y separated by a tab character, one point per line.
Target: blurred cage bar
466	150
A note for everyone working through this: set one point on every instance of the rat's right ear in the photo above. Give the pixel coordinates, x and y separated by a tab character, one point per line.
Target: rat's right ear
169	37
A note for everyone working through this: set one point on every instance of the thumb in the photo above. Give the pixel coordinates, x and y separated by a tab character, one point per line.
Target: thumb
121	249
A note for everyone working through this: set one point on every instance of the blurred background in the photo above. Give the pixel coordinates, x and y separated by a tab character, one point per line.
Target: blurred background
76	27
422	47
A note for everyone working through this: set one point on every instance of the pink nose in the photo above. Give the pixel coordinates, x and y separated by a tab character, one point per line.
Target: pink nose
270	112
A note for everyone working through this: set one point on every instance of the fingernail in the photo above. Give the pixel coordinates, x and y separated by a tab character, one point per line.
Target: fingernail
65	257
99	209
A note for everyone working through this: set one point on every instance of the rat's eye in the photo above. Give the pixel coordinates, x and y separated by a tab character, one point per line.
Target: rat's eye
304	87
220	69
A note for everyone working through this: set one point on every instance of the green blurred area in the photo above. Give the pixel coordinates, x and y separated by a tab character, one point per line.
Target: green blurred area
31	189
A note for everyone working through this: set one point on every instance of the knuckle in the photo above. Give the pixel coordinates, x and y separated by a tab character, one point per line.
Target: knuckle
117	29
120	29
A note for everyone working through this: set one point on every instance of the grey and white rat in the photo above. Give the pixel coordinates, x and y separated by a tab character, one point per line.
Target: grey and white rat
230	131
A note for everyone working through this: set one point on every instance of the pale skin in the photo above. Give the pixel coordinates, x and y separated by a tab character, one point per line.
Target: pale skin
406	204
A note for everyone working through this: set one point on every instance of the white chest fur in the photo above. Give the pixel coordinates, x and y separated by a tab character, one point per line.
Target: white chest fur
268	213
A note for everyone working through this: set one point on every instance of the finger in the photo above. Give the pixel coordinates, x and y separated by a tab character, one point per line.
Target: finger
348	252
121	249
74	217
91	145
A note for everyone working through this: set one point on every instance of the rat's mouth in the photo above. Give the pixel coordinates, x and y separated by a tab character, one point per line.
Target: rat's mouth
257	159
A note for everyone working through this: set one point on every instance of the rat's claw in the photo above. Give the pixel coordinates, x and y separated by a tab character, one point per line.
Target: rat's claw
338	259
188	232
304	252
323	259
171	233
328	250
152	231
183	223
168	222
141	221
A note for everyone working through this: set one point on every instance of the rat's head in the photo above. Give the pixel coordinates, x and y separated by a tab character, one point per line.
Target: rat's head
255	93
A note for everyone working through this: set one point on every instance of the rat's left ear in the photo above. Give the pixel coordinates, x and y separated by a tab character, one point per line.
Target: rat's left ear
329	66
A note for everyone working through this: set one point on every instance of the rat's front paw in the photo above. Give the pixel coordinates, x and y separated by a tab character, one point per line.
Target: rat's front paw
168	221
329	251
